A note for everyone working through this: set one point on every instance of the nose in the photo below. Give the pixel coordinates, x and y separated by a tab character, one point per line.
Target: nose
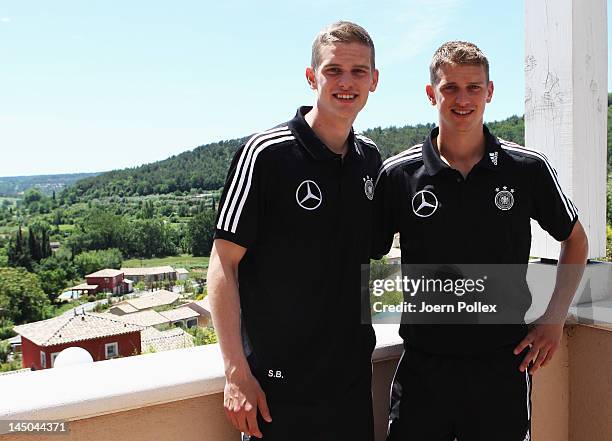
463	98
344	81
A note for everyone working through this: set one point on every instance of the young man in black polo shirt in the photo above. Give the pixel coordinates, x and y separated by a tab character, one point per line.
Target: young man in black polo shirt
293	228
467	197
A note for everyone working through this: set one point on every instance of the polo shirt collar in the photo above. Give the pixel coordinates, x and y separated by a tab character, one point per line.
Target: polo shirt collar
490	160
313	144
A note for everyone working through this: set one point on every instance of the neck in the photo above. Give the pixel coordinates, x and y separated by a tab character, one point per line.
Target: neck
461	150
334	132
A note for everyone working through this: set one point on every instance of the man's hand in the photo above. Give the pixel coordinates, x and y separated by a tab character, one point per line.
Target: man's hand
242	397
544	340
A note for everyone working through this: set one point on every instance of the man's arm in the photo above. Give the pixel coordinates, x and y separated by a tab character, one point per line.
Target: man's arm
383	224
242	395
545	337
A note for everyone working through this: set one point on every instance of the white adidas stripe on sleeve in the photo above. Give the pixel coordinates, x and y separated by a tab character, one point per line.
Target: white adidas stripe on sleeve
569	206
367	141
244	164
251	168
412	153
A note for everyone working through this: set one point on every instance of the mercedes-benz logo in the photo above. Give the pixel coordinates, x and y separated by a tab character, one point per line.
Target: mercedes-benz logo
308	195
424	203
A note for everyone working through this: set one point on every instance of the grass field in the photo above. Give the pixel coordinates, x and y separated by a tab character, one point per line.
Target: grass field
186	261
58	310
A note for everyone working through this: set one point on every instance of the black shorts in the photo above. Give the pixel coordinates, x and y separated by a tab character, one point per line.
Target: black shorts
345	417
475	398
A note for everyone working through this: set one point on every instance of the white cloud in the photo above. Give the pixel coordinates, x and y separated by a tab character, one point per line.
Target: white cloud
5	20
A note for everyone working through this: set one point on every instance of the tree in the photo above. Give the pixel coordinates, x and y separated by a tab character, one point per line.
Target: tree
32	195
13	365
6	328
200	233
55	273
147	210
58	216
38	240
3	256
5	350
36	202
202	336
18	251
102	230
91	261
150	237
22	299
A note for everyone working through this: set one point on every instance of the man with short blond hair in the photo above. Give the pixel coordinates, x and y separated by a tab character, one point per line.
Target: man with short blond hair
457	53
465	197
293	229
341	32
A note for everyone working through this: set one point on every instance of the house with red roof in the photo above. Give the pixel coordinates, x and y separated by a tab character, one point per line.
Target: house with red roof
101	336
109	280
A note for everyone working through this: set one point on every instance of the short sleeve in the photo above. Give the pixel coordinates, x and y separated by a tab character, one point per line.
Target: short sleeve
239	207
552	209
384	225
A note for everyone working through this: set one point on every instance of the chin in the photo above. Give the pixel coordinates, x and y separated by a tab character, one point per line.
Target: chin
347	113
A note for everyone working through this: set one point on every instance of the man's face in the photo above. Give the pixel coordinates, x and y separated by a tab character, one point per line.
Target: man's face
343	79
461	95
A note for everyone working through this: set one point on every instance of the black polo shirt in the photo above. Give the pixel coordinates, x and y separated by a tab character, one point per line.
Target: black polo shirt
304	214
443	218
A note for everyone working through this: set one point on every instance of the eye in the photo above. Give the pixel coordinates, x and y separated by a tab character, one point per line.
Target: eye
474	87
360	72
332	70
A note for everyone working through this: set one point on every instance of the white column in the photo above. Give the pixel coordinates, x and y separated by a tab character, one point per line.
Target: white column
566	107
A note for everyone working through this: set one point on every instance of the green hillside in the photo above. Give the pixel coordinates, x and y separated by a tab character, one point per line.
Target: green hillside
392	140
205	167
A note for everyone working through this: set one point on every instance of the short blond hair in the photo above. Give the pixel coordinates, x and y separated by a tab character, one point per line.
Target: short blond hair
340	32
457	52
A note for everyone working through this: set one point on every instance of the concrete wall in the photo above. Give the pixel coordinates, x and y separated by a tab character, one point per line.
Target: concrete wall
550	398
590	384
200	419
572	397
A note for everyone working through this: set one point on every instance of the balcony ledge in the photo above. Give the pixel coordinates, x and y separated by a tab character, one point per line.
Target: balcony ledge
105	387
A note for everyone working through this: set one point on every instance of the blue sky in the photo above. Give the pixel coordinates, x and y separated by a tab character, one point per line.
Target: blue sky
100	85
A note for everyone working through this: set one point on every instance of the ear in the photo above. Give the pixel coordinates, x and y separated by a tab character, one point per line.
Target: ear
310	77
374	83
489	91
431	95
